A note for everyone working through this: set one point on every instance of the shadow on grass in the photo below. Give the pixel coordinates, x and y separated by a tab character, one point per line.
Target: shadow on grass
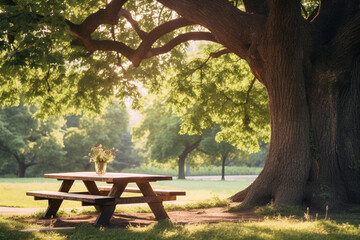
268	229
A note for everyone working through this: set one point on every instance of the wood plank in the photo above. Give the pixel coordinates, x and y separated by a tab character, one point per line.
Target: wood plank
131	200
149	199
107	177
96	199
159	192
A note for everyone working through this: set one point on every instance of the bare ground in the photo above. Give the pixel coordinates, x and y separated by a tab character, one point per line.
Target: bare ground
194	216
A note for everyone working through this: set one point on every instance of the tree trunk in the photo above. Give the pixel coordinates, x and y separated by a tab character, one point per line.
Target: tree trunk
189	147
315	124
21	169
348	134
287	166
181	163
223	160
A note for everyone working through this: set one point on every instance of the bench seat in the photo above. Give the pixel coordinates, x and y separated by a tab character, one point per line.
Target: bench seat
159	192
93	199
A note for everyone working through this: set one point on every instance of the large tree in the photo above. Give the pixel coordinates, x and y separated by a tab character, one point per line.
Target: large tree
308	62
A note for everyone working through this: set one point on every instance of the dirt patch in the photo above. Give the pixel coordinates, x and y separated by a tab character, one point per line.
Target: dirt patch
194	216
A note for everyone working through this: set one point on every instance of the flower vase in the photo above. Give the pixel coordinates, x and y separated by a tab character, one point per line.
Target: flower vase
100	167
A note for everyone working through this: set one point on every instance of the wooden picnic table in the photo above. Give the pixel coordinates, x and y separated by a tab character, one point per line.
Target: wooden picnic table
105	198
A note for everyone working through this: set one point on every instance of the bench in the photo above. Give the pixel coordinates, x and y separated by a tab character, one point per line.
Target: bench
86	198
159	192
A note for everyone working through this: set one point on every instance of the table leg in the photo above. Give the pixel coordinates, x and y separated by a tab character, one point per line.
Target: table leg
156	207
93	189
54	204
106	211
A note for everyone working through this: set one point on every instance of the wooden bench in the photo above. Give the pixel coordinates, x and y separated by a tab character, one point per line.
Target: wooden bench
86	198
159	192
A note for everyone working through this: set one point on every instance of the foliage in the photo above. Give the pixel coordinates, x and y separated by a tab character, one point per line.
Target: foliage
208	91
27	141
161	129
56	144
100	154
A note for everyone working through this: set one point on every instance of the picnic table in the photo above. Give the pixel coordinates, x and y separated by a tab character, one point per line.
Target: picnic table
105	198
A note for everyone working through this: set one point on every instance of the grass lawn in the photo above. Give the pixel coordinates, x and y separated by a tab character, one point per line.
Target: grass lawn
281	228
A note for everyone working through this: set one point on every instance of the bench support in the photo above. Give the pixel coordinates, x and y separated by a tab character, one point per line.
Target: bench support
106	211
54	204
156	207
92	188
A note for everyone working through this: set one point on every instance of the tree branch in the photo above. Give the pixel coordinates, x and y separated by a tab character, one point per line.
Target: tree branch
233	28
247	95
154	35
142	34
109	15
105	45
219	53
230	26
181	39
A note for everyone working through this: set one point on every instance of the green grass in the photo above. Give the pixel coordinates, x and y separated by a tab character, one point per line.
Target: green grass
275	229
13	191
271	210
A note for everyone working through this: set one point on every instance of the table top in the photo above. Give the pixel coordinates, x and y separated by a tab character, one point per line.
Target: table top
109	177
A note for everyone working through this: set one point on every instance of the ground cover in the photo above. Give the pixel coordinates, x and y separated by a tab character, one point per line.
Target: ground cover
256	227
210	218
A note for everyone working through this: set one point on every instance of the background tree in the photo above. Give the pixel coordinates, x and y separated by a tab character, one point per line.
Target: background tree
307	61
109	129
28	141
161	129
222	151
33	147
